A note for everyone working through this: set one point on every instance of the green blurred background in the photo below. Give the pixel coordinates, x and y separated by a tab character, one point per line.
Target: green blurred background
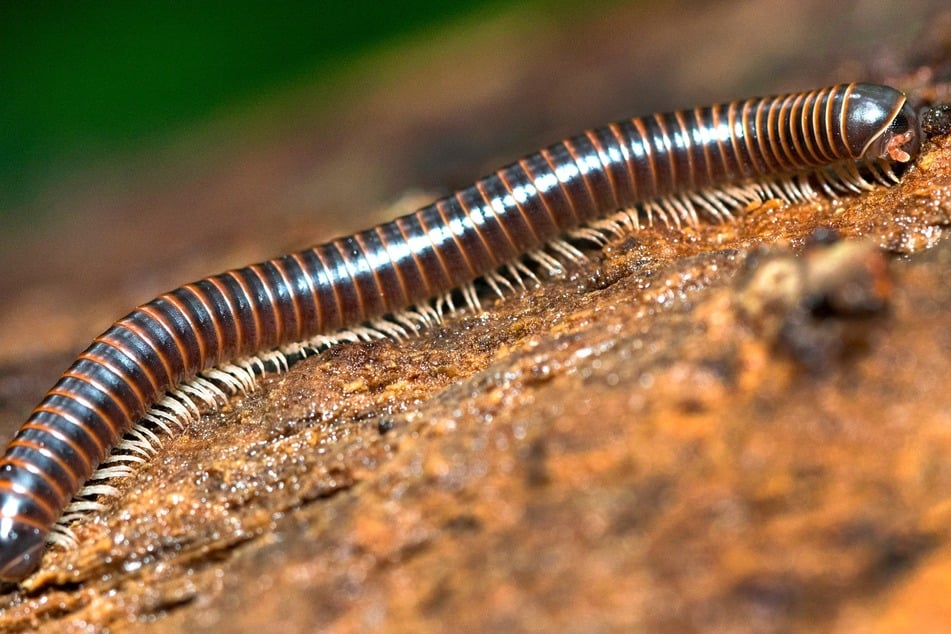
82	82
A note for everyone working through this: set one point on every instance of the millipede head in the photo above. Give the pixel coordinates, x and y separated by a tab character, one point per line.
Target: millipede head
878	123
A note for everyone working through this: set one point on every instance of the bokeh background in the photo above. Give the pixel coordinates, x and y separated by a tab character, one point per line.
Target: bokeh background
84	82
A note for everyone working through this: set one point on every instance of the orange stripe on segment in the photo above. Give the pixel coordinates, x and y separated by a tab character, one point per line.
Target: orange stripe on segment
628	158
117	430
254	313
525	216
333	287
240	346
763	142
318	307
605	159
577	159
738	123
669	149
648	148
553	165
46	428
202	351
49	455
398	223
844	117
196	292
278	321
129	414
474	272
62	494
385	298
182	348
480	187
41	524
298	313
427	231
705	146
733	149
684	132
478	231
138	331
157	385
405	298
52	512
779	133
808	127
341	250
26	520
820	121
107	363
799	142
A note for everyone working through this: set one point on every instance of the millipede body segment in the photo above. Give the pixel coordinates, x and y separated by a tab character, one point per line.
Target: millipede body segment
672	165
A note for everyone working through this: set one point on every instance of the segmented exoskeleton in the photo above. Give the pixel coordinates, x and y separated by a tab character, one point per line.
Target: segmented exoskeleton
182	345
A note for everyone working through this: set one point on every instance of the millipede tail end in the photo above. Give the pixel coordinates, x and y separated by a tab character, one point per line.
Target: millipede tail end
21	542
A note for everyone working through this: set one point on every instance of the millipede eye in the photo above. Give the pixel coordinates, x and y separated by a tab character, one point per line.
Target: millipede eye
900	123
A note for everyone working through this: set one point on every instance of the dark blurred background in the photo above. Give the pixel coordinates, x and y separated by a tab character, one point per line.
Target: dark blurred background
81	82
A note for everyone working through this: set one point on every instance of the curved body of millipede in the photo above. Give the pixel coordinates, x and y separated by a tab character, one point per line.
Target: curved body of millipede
674	165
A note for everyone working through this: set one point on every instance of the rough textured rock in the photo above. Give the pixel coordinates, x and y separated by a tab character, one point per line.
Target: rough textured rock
734	427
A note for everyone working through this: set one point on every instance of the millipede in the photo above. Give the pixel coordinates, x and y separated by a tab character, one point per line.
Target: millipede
151	371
